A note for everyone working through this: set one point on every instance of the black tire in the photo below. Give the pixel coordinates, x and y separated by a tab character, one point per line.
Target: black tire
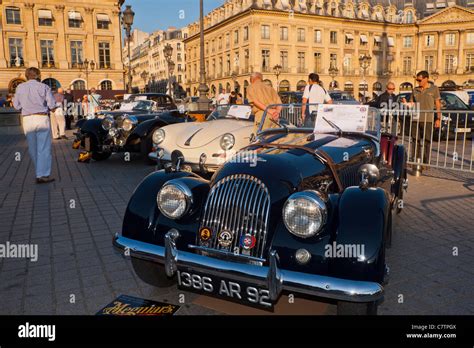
351	308
100	156
146	144
152	273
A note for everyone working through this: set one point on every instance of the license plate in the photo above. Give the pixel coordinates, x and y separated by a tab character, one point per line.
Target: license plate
240	292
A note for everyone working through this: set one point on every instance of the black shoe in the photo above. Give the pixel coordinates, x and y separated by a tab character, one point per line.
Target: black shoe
44	180
64	137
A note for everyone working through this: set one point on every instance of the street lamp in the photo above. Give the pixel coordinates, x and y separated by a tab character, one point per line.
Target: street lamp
168	53
144	76
171	66
364	62
277	70
333	72
203	102
127	22
87	66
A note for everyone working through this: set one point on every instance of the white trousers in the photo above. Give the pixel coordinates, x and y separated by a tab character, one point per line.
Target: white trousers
58	122
37	129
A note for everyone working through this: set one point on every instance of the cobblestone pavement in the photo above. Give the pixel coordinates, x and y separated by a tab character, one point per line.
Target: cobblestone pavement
73	221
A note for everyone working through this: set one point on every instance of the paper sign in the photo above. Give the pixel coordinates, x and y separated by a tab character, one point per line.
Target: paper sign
240	111
349	118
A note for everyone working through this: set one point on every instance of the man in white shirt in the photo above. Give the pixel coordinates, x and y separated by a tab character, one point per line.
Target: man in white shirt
223	98
313	94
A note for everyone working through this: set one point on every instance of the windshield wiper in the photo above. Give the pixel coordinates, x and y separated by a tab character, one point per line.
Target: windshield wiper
335	126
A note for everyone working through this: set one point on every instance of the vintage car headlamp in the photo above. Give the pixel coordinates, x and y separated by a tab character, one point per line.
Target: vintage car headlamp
158	136
108	122
304	214
113	132
227	142
174	199
128	123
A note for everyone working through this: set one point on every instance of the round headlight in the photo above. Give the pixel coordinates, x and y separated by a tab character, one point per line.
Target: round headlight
174	199
113	132
107	123
128	123
304	214
158	136
227	141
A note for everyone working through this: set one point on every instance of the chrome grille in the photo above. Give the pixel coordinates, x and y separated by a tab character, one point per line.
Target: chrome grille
349	176
239	204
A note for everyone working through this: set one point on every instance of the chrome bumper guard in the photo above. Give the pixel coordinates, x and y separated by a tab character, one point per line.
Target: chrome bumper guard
271	277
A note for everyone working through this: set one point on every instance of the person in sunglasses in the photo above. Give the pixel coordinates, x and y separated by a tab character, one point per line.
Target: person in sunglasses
428	98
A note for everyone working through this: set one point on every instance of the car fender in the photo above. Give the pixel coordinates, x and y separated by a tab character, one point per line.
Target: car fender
144	222
399	167
363	217
93	129
144	128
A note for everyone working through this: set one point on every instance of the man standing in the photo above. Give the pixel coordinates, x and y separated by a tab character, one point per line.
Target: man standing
69	114
313	94
260	96
94	102
428	98
386	102
35	100
223	98
58	123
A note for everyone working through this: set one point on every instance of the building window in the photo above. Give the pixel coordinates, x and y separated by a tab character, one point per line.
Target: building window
178	57
470	62
301	35
236	37
301	62
266	60
13	15
333	37
106	85
246	33
104	55
247	60
16	52
449	64
429	60
45	18
47	53
180	80
470	38
407	65
265	31
349	39
317	36
347	64
317	63
429	40
409	17
75	19
103	21
178	46
284	33
333	60
76	53
377	41
79	85
408	42
284	60
228	65
227	40
364	41
450	39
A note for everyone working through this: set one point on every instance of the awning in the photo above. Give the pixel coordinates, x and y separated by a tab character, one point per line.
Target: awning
103	18
75	15
391	42
377	39
45	14
349	36
363	38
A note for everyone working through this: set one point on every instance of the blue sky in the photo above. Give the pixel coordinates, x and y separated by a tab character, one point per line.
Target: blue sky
160	14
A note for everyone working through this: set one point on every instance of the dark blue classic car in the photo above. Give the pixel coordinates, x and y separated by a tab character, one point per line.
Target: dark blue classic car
297	211
127	130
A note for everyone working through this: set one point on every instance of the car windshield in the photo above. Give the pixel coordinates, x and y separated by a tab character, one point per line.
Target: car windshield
452	102
336	96
231	112
146	105
321	118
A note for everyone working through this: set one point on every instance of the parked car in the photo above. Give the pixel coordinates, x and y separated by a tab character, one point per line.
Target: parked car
470	92
204	146
338	97
457	116
252	232
124	131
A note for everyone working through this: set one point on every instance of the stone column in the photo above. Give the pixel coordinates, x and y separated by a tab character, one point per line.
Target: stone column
3	58
461	63
61	44
355	62
90	45
439	58
30	55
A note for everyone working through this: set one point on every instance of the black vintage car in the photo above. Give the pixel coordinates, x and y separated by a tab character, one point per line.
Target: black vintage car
127	130
254	231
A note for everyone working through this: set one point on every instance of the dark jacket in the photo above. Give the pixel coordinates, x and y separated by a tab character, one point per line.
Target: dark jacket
384	101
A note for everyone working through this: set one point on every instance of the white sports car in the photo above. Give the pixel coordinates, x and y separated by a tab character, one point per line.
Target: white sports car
204	146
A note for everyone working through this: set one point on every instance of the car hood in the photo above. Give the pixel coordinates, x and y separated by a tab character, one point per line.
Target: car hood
198	134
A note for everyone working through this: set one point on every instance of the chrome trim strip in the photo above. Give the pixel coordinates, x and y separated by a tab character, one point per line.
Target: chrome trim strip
225	253
310	284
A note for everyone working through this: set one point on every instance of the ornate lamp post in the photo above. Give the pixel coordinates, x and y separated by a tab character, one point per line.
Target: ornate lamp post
127	22
144	76
168	53
364	62
277	71
171	66
87	66
333	72
203	101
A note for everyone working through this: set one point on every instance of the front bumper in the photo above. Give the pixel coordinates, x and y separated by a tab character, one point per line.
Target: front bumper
272	277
